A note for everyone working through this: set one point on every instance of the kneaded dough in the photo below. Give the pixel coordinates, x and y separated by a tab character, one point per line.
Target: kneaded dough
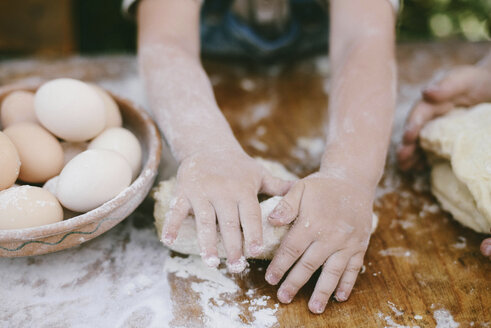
461	173
187	240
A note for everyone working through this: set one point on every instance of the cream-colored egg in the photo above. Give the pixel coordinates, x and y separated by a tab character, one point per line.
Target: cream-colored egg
70	109
113	115
18	107
122	141
72	149
40	152
52	185
28	206
92	178
9	162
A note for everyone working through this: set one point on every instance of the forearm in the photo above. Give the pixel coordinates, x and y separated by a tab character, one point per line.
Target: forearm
361	104
178	89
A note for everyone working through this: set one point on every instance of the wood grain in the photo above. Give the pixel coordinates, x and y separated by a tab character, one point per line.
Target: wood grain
419	260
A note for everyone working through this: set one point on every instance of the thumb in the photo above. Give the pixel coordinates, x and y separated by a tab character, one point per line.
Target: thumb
274	186
287	209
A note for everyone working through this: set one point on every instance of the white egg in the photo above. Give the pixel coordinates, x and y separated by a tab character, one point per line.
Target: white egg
123	142
92	178
71	109
52	185
28	206
113	115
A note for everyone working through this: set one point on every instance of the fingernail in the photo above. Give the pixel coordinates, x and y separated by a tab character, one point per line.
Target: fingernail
317	307
341	296
278	213
211	261
271	278
487	250
168	239
237	266
284	296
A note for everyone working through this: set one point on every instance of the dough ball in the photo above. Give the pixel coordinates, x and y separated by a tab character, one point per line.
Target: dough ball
72	149
113	115
123	142
72	110
18	107
27	206
40	153
461	172
92	178
9	162
187	241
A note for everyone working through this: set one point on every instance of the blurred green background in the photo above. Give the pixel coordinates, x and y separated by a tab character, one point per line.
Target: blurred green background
418	20
64	27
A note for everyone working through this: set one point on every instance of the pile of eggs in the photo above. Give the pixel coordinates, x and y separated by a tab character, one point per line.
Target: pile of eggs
67	150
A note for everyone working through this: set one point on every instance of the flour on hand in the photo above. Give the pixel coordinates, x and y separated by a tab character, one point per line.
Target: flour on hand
187	240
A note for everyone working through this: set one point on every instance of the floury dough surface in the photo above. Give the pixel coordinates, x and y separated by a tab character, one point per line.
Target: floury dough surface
187	240
459	147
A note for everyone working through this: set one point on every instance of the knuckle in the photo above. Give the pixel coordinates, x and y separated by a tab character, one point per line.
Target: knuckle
353	269
291	250
232	224
324	292
309	265
334	271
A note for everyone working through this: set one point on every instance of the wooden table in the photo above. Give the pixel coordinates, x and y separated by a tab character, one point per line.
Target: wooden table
421	269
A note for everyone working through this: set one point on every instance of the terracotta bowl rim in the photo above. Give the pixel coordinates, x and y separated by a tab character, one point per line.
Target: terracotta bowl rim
148	171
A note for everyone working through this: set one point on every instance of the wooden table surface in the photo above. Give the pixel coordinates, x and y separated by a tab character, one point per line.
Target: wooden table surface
421	269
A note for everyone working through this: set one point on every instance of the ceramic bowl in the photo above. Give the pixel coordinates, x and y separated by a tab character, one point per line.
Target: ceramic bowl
84	227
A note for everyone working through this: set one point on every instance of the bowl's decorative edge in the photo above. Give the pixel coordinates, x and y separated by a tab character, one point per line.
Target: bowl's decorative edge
61	239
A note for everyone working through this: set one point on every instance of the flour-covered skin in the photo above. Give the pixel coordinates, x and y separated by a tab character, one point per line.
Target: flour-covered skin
462	86
216	180
333	207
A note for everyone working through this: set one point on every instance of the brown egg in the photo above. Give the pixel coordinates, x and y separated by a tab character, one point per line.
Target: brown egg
28	206
9	162
40	152
18	107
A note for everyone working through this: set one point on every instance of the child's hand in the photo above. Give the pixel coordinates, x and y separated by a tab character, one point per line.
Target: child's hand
332	230
464	86
223	185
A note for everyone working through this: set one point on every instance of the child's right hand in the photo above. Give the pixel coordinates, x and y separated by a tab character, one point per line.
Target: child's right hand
463	86
222	185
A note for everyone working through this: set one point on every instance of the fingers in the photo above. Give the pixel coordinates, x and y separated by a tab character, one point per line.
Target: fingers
451	86
486	247
287	209
421	114
274	186
250	219
310	261
348	278
327	282
228	220
292	246
178	211
207	232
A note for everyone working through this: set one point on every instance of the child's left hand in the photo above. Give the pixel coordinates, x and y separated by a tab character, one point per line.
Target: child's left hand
332	229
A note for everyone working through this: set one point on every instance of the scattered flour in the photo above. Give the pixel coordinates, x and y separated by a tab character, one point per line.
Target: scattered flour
444	319
461	243
396	251
216	294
